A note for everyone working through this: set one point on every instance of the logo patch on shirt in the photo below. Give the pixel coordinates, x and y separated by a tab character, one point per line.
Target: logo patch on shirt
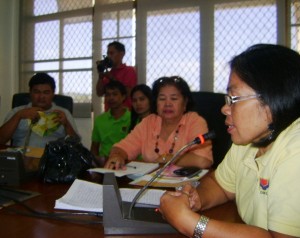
264	184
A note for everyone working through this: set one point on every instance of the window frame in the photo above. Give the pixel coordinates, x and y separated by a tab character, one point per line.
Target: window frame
141	8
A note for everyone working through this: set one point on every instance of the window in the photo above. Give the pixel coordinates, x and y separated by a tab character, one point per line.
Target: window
115	22
173	44
58	40
192	38
237	26
295	24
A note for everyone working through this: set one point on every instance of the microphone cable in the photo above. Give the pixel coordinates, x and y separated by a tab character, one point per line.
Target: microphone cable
62	216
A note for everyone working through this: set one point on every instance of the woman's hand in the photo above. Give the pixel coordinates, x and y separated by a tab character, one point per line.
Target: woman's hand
195	203
116	159
194	199
176	209
115	162
173	203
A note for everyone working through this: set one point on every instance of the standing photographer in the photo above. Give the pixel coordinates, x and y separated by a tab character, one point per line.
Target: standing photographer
119	71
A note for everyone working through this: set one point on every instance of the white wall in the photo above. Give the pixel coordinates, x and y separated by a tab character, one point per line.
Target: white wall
84	126
9	26
9	76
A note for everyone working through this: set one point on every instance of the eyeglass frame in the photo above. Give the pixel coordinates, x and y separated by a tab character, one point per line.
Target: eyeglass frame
229	100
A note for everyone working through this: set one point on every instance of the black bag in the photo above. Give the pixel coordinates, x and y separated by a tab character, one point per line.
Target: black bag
64	160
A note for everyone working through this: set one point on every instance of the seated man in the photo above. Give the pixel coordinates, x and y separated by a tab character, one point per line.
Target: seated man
111	126
41	120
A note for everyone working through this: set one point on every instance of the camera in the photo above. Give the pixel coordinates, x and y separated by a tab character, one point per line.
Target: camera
104	64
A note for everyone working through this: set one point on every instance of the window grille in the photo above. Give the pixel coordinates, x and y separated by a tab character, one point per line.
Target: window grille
294	22
192	38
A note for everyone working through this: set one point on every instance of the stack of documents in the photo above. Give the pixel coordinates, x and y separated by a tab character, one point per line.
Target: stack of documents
88	196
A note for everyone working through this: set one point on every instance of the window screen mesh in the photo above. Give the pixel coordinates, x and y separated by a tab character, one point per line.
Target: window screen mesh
193	39
173	44
238	26
295	24
43	7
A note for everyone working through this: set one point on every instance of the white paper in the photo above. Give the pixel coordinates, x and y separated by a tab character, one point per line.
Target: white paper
149	197
133	167
88	196
82	196
169	180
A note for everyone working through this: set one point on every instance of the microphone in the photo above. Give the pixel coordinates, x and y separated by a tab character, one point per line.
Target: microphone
200	139
32	123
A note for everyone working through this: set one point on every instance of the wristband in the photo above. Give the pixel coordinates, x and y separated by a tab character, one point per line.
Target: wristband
200	227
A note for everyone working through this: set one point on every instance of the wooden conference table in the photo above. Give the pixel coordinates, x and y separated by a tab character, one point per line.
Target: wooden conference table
15	225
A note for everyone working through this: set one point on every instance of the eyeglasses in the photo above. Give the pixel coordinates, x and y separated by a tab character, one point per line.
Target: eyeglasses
229	100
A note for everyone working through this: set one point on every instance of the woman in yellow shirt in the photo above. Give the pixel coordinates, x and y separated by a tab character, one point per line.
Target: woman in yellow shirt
260	172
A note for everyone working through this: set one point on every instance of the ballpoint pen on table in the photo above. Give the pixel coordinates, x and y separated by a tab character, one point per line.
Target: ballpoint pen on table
130	166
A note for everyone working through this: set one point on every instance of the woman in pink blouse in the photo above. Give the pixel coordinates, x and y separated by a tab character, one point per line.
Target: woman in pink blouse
161	134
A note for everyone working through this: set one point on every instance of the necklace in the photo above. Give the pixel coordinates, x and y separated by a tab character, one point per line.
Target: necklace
171	150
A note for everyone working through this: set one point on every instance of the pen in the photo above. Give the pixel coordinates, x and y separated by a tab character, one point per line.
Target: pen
131	166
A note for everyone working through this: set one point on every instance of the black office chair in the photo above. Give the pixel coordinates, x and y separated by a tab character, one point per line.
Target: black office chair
208	105
20	99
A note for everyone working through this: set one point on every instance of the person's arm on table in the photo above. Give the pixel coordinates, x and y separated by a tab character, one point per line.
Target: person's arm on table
192	159
178	208
128	148
117	159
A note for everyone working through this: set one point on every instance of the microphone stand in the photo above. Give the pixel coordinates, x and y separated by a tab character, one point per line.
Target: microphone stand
27	138
197	140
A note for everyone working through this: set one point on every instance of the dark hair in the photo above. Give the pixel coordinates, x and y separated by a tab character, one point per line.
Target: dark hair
42	78
118	45
115	84
146	90
273	71
181	86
